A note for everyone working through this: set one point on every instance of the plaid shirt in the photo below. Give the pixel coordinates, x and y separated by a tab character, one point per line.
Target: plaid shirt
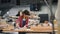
19	20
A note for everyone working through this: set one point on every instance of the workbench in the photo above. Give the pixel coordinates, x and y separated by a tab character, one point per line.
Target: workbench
33	29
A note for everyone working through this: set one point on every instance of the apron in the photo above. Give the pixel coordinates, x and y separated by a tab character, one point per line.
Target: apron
23	22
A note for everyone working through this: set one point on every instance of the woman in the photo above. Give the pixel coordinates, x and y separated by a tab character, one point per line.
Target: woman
22	21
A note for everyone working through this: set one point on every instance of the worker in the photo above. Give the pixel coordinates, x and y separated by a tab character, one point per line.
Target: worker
22	21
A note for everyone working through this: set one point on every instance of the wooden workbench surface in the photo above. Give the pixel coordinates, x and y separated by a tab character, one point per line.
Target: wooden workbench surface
32	29
10	28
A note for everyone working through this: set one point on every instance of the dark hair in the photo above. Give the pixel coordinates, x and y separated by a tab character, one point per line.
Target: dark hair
26	12
18	14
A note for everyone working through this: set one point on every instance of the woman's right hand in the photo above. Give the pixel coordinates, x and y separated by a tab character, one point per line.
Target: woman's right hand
17	25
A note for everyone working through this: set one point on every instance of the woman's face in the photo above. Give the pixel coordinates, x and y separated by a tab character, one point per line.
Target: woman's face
25	15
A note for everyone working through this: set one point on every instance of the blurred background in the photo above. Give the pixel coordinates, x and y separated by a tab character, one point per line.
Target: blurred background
44	9
16	5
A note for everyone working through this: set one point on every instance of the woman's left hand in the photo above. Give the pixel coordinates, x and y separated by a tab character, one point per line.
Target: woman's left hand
24	27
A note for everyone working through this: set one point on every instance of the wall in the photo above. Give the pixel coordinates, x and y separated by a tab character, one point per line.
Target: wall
44	10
